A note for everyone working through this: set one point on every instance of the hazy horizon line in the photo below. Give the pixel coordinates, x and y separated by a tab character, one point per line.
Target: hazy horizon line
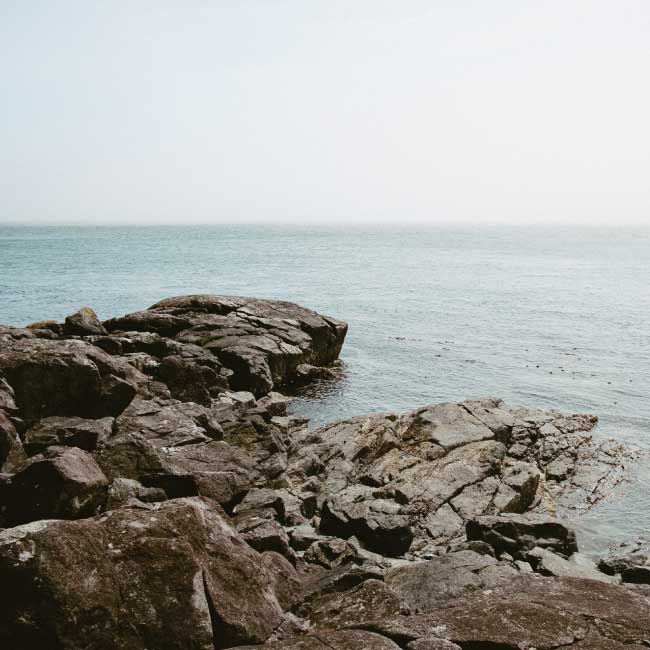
336	224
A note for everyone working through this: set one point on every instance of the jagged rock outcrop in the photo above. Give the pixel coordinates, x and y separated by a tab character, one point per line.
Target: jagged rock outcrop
409	483
215	342
157	493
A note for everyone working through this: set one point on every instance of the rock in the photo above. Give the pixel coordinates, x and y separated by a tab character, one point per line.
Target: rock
631	562
284	581
192	380
175	575
532	612
260	342
332	640
12	453
122	490
332	552
517	534
262	498
409	483
370	600
437	582
68	431
319	586
432	643
62	483
83	323
576	566
376	522
65	378
263	533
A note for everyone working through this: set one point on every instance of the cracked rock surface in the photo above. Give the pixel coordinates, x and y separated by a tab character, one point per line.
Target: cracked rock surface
155	492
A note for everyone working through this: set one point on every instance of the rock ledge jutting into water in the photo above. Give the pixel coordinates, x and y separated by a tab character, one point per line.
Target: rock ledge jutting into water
155	493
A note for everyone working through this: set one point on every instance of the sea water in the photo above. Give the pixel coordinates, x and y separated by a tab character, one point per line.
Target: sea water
556	318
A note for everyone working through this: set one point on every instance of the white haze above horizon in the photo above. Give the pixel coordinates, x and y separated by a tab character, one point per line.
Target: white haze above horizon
325	111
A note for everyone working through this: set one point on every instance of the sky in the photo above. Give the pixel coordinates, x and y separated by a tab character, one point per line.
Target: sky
325	111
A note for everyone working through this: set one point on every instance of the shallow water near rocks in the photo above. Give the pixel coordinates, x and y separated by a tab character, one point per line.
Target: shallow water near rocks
550	318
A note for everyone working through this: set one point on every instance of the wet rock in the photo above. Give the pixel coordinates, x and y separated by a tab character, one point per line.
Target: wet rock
62	483
84	433
516	534
175	575
83	323
631	562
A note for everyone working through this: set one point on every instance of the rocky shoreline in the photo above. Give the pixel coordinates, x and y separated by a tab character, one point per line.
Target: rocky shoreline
155	493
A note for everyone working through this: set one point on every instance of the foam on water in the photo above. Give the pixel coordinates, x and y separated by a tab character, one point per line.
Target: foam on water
552	318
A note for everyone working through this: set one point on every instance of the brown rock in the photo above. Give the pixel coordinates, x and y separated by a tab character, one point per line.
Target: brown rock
174	575
62	483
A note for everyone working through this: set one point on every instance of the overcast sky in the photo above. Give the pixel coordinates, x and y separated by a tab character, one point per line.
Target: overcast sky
332	111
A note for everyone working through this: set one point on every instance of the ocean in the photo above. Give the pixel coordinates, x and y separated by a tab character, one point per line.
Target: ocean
546	317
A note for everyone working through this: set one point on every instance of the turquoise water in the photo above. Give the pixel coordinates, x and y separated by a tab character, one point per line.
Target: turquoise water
554	318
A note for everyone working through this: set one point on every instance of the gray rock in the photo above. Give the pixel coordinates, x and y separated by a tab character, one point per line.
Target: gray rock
576	566
427	585
517	534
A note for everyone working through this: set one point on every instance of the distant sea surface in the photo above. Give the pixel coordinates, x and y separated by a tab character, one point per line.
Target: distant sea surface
551	318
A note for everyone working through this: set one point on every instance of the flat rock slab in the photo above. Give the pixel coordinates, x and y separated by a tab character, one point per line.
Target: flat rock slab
533	612
330	640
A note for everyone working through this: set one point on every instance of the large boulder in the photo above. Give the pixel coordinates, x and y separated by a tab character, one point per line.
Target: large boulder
62	483
238	343
170	576
72	377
